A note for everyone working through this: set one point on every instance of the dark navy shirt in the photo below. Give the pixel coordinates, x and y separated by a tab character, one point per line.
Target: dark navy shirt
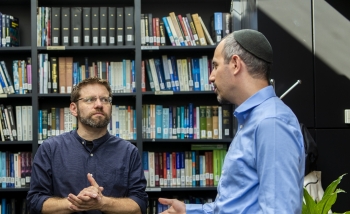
62	163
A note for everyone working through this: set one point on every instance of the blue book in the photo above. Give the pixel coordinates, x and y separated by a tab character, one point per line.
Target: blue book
12	170
75	73
176	76
135	124
40	115
133	83
193	168
182	167
3	169
168	30
3	205
145	165
87	73
178	169
190	121
168	171
165	123
196	74
160	73
182	123
218	26
15	75
159	121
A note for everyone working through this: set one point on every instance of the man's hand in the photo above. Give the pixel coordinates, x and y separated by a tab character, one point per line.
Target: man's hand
89	198
176	206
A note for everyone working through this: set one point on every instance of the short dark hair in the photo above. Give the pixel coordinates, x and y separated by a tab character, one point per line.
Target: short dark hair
257	68
88	81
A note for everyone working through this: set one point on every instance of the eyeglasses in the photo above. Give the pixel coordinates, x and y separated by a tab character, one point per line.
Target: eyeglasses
91	100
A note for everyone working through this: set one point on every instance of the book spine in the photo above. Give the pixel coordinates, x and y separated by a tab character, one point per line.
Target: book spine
120	26
86	28
65	23
111	25
103	25
129	26
76	26
95	25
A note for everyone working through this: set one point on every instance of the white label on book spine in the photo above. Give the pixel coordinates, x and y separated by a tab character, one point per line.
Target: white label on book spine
75	39
120	38
86	38
111	40
95	40
65	39
55	39
130	38
103	39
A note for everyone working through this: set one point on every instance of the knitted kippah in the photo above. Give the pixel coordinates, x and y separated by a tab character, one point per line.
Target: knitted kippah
255	43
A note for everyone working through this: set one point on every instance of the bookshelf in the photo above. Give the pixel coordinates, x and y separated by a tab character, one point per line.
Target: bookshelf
26	11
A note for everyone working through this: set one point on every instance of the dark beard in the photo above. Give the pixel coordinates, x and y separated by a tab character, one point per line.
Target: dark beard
93	123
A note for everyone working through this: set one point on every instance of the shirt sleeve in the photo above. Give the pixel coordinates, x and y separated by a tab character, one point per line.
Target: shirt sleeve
207	208
137	181
40	183
280	160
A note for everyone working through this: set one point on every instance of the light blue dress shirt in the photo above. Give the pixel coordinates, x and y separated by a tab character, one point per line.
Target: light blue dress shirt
263	171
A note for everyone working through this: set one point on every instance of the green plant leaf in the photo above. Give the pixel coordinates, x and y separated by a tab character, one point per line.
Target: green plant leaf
331	188
326	203
308	203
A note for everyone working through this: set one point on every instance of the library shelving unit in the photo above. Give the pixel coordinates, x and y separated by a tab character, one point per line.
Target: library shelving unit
26	11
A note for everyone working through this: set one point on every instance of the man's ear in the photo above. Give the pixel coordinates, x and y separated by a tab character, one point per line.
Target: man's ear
73	109
236	64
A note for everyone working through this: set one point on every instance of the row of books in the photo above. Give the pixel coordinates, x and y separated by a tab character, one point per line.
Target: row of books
60	74
15	169
9	30
13	205
186	168
76	26
188	30
15	128
186	122
55	121
170	73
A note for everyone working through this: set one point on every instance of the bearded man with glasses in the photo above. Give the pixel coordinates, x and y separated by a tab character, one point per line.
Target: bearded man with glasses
88	170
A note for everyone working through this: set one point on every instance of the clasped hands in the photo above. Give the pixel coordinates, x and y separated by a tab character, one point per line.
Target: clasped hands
89	198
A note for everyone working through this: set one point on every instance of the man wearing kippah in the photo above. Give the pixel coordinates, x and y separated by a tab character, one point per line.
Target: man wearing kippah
263	170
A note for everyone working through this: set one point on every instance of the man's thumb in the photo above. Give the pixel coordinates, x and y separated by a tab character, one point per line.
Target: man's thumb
165	201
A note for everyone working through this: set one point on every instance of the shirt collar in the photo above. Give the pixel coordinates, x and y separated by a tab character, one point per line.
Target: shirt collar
96	142
242	111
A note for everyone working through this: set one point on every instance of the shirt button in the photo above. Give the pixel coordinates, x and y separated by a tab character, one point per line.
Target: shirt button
82	142
241	126
223	171
91	154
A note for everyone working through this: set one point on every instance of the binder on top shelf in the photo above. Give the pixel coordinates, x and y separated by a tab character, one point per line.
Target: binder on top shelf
103	25
111	25
86	26
120	26
55	26
65	21
129	26
76	26
95	25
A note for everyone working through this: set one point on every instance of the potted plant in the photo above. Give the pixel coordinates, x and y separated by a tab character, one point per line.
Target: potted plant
310	206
